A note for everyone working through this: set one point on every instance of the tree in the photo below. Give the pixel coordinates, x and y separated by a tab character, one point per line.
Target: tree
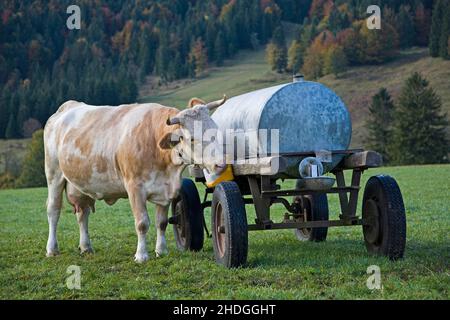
297	50
422	25
335	61
11	129
33	173
295	57
220	48
313	65
198	57
405	27
379	123
277	51
419	127
445	32
436	27
30	126
378	46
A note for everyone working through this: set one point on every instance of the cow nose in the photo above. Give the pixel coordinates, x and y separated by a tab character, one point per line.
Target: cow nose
218	168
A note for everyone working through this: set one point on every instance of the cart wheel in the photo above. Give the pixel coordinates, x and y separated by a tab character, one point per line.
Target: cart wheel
229	225
187	218
384	220
316	209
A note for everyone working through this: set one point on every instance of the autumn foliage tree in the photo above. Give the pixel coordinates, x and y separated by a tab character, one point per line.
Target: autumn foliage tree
377	46
335	60
198	58
324	56
277	52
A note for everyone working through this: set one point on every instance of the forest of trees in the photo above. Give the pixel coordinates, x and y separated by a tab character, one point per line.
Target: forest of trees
413	129
120	43
334	35
43	63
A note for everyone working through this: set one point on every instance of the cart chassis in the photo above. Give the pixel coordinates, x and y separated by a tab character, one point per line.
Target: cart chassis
265	192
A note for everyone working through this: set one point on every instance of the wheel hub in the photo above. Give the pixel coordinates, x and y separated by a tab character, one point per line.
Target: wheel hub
220	231
180	225
372	220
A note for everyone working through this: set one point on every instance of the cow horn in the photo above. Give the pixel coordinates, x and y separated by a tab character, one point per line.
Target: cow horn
215	104
173	121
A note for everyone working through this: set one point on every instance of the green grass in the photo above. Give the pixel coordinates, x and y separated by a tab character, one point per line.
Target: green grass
247	72
279	267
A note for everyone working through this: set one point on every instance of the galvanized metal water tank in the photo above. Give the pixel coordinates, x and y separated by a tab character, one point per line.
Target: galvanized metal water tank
308	115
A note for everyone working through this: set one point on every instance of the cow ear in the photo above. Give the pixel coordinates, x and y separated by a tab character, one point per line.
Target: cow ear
168	141
195	101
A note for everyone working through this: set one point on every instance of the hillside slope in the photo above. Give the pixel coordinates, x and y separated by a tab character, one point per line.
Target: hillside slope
359	84
249	71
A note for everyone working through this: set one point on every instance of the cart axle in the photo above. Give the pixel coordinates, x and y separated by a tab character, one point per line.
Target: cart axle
307	224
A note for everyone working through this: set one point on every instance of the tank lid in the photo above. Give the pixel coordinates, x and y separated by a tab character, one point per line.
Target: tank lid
298	78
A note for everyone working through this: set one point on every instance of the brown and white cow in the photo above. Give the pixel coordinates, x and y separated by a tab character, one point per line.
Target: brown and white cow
107	153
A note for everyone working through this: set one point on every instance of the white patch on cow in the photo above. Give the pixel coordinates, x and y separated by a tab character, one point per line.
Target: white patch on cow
141	252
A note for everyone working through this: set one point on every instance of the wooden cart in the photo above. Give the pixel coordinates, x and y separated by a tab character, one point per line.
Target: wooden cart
382	217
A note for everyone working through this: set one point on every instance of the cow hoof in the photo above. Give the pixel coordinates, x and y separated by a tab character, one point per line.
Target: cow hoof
52	253
161	253
86	251
141	258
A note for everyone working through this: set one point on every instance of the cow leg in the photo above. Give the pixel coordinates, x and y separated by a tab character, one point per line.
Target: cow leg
54	203
161	225
85	242
141	222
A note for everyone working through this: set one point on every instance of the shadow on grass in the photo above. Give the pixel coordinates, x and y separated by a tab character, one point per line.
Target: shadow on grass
341	253
300	254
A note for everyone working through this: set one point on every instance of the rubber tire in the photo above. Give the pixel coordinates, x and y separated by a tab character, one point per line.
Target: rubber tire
235	223
391	238
193	215
319	212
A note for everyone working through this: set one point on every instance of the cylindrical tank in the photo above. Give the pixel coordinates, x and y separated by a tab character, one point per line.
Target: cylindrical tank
308	115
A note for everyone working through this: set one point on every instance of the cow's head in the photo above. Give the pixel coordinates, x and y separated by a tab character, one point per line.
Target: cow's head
195	141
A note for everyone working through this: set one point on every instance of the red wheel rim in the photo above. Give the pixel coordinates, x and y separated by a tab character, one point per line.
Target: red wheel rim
307	215
372	216
181	225
220	230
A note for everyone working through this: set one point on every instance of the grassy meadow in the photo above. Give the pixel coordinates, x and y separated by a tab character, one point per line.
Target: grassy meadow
279	266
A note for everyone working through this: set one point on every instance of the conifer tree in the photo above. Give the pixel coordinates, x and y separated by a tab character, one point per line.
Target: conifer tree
335	61
199	57
419	127
436	27
379	123
33	173
445	32
11	129
405	25
295	57
277	51
422	25
220	48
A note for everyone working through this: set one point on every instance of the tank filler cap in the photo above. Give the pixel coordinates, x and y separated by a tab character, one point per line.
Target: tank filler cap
298	78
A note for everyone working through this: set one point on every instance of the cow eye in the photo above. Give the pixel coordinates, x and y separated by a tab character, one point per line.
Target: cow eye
180	138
